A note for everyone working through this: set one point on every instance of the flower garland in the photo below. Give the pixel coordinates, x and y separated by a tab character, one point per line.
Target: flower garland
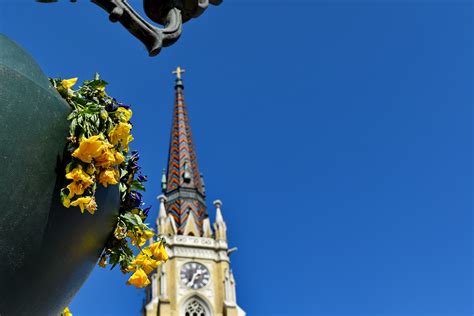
99	137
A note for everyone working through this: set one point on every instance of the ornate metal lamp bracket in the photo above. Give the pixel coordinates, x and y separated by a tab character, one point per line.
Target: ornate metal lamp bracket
170	13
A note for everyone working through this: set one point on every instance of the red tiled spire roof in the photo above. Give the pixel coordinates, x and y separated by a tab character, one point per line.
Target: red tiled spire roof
184	187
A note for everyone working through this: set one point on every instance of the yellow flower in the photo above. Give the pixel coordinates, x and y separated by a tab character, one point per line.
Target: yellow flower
91	207
145	262
139	279
148	233
77	174
141	259
129	139
69	83
103	261
75	188
88	203
140	237
150	265
89	148
159	251
108	176
124	114
107	157
136	239
120	133
66	312
91	169
81	180
120	231
119	158
130	268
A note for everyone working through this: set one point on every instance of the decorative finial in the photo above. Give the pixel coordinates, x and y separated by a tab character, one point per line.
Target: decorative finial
217	203
178	72
162	211
219	225
162	198
163	180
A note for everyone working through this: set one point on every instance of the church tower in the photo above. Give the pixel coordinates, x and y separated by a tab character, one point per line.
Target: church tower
197	279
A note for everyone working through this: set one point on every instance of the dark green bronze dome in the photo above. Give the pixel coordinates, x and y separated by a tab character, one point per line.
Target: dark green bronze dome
47	251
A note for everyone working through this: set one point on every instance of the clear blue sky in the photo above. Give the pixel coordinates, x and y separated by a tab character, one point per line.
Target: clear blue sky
337	133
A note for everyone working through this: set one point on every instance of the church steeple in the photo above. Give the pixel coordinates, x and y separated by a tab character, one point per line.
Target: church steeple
197	279
184	187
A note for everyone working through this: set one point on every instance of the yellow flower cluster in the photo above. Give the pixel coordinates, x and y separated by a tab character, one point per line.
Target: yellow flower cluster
97	149
120	134
146	262
81	181
103	158
99	138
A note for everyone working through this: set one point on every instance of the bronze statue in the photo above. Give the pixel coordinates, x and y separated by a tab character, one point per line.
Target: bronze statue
169	13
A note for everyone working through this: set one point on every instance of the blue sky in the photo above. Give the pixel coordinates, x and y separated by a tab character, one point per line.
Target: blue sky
338	135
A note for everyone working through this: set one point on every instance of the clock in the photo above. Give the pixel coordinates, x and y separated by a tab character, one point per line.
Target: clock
194	275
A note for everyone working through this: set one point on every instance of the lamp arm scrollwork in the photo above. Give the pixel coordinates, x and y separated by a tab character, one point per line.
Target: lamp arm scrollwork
170	13
153	37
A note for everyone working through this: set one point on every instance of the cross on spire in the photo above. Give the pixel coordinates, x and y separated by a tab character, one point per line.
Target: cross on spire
178	72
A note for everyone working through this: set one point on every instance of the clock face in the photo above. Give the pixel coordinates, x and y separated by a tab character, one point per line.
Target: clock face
194	275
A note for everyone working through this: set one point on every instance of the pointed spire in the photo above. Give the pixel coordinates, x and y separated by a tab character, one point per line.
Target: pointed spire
206	228
171	225
183	184
218	205
191	227
161	221
183	168
219	225
162	212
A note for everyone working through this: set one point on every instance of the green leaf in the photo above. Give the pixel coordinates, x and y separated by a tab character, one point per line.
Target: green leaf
137	185
72	127
72	115
129	218
98	84
138	219
70	166
122	187
123	172
63	193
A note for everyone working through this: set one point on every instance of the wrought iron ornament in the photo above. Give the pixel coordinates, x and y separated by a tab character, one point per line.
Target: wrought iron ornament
169	13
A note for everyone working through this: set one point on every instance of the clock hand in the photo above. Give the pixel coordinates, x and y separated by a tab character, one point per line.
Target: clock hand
190	283
195	275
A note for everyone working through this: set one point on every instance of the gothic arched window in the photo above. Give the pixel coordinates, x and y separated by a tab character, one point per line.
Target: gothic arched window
195	308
